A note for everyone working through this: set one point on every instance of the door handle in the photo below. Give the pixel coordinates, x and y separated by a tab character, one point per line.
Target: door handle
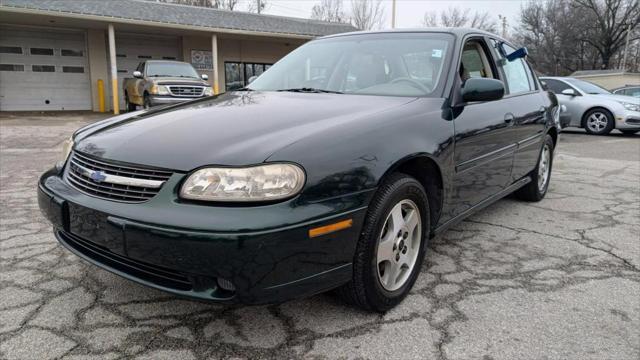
508	118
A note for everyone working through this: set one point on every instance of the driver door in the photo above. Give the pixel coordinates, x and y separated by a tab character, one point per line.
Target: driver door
484	146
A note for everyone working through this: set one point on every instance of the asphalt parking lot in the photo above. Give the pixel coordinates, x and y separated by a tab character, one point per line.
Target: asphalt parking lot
559	279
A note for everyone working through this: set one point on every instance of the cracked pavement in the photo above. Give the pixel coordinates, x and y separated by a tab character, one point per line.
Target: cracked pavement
558	279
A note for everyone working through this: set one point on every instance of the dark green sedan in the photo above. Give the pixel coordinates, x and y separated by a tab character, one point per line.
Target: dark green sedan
329	171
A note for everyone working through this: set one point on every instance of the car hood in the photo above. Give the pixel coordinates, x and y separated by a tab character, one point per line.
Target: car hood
239	128
179	80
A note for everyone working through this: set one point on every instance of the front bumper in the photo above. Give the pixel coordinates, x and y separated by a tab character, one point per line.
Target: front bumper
187	249
628	120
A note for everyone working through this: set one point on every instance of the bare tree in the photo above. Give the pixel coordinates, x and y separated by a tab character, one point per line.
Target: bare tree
457	17
612	20
329	10
568	35
367	14
257	6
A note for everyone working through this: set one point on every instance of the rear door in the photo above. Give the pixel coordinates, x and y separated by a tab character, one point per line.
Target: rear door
525	103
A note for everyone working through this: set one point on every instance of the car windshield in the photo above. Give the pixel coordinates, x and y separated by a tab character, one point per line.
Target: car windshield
588	87
172	69
391	64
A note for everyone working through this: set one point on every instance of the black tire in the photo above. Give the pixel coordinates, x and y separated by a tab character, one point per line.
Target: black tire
630	132
147	101
600	129
533	191
130	106
365	290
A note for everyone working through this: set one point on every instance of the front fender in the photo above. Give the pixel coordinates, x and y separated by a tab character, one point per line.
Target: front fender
356	156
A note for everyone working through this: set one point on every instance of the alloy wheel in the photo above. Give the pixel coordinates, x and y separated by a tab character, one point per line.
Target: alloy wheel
597	122
399	245
544	168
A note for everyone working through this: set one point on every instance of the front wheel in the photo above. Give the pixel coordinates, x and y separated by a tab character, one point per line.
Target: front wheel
540	176
598	122
391	247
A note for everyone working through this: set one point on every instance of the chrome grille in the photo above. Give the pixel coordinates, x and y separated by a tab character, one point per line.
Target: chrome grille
112	181
182	90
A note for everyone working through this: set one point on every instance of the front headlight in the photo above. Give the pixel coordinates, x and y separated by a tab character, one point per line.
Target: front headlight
67	146
257	183
159	90
208	91
630	106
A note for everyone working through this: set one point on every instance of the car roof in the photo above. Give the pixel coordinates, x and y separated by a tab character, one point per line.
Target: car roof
456	31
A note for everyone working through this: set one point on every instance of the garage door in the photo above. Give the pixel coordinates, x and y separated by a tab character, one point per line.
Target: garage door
42	69
131	49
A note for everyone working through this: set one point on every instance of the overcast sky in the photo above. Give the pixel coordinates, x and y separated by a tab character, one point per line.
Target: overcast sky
409	12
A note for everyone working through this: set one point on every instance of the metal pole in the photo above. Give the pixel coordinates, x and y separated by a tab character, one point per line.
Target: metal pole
114	70
393	14
626	48
214	62
258	4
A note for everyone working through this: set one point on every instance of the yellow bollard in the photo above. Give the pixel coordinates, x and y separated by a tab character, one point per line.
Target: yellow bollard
101	99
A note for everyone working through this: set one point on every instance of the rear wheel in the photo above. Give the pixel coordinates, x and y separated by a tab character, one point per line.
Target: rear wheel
598	122
391	247
129	105
630	132
147	101
540	176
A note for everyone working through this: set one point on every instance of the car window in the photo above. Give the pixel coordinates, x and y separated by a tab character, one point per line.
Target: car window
408	64
588	87
474	63
176	69
517	73
556	86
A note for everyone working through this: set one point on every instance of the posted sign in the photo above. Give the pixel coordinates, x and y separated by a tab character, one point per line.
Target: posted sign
201	59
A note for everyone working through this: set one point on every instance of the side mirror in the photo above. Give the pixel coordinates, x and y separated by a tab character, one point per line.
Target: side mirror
204	77
251	79
137	74
569	92
482	89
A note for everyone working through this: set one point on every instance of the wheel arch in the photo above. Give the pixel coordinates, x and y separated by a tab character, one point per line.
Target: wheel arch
553	132
583	119
429	173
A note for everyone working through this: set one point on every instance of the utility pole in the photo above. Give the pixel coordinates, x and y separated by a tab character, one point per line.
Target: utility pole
503	19
393	14
626	48
258	6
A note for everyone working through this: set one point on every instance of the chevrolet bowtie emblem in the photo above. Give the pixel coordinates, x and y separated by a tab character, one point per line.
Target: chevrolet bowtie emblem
97	176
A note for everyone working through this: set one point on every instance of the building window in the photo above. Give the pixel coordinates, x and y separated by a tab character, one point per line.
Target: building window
41	51
144	57
11	67
237	74
73	69
67	52
121	71
168	57
10	50
43	68
121	55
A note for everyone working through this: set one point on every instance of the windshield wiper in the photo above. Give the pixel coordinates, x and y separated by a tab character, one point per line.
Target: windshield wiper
311	90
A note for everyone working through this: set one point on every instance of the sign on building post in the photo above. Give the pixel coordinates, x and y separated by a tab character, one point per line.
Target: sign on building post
201	59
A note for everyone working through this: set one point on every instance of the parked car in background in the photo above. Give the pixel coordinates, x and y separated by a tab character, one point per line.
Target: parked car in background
331	170
159	82
593	108
629	90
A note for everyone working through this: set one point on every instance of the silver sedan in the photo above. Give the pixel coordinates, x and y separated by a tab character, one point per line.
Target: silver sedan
593	108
